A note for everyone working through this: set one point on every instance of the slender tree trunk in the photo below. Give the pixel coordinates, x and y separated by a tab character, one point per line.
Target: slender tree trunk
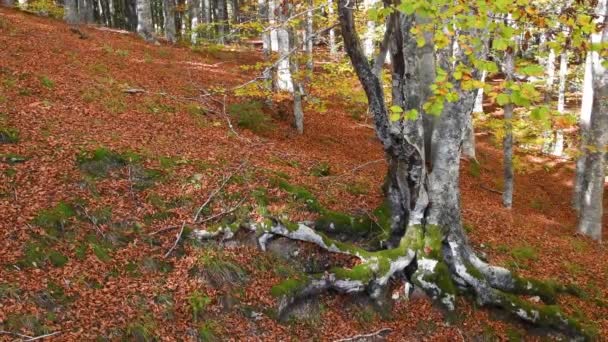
558	145
169	16
592	190
550	72
298	112
195	17
370	32
284	79
274	38
107	13
144	20
507	196
235	11
131	14
207	11
309	39
584	122
222	20
333	48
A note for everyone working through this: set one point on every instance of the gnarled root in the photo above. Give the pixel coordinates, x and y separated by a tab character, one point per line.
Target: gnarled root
439	266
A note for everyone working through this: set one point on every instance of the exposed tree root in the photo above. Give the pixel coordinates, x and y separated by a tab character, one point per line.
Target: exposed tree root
424	256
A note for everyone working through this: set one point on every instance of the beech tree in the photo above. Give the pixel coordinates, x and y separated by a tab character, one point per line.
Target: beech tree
144	20
595	135
433	91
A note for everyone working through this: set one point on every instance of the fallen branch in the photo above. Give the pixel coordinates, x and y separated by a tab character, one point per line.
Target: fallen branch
4	332
179	236
216	191
375	336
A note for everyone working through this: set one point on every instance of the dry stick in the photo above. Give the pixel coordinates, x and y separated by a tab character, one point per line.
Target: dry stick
490	189
4	332
225	212
43	336
163	230
179	236
382	333
216	191
93	222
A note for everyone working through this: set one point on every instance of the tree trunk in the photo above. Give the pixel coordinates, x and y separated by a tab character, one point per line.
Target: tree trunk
433	252
333	49
309	39
584	122
169	17
86	11
592	189
550	72
144	20
195	17
284	80
131	14
71	12
558	145
235	11
222	21
370	31
298	112
507	195
272	22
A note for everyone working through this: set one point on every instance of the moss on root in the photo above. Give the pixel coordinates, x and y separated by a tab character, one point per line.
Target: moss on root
549	316
287	287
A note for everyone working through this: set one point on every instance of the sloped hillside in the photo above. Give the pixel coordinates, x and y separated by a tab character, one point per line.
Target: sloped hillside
109	146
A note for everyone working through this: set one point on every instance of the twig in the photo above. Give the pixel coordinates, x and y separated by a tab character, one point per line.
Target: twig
91	219
43	336
490	189
382	333
225	212
227	116
163	230
179	236
216	191
4	332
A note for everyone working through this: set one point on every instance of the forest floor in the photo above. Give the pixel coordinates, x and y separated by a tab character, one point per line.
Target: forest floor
90	176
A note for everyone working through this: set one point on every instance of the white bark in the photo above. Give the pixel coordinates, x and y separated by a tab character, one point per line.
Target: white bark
478	107
195	17
284	81
272	21
558	145
368	40
169	16
507	196
584	120
591	210
263	14
144	20
333	50
309	39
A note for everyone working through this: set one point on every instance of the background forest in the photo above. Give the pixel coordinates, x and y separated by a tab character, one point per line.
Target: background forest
303	170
